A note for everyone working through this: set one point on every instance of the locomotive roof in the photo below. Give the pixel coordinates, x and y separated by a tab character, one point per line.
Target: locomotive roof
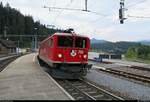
65	34
69	34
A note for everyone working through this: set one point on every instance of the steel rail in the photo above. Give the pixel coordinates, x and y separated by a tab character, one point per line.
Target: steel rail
139	68
73	91
129	66
127	75
117	97
82	90
6	61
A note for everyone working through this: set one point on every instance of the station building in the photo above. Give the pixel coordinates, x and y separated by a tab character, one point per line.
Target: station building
7	46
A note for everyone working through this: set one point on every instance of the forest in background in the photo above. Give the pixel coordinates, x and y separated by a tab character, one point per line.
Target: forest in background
13	22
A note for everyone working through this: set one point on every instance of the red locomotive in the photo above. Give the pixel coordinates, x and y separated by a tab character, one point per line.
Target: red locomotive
66	54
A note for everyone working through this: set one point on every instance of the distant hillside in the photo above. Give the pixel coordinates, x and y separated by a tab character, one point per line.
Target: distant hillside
95	41
111	47
145	42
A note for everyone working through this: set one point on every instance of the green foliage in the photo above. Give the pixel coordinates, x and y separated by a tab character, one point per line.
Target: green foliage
148	56
139	52
14	23
131	53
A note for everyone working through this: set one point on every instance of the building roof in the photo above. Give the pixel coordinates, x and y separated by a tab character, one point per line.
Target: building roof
7	43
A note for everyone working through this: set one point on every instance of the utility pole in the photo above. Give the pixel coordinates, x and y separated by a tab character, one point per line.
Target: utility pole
5	31
57	8
35	39
121	12
18	47
86	5
35	43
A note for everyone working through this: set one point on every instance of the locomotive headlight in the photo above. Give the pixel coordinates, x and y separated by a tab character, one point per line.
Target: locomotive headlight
84	56
60	55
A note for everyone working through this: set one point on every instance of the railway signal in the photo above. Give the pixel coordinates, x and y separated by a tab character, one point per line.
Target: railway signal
121	12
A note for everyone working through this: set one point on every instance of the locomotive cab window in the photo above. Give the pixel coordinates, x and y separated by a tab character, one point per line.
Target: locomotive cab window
80	42
65	41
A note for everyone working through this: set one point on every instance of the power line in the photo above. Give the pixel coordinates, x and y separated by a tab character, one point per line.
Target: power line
138	17
93	21
144	17
76	10
64	8
84	10
137	3
104	15
54	2
62	11
71	1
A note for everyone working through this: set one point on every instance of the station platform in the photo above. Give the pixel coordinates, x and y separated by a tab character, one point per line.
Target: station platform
24	79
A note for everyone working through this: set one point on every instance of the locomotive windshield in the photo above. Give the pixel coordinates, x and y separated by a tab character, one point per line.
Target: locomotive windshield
65	41
68	41
80	42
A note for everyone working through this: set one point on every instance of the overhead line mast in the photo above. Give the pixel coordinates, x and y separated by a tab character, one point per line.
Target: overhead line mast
72	9
64	8
86	10
86	5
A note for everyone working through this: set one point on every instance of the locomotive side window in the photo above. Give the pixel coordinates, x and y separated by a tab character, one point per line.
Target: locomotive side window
65	41
80	42
50	42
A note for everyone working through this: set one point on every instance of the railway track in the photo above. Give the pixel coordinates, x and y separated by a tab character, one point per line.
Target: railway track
144	79
6	55
82	90
139	68
130	66
5	61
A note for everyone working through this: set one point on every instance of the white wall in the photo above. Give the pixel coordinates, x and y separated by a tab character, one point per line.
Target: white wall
92	55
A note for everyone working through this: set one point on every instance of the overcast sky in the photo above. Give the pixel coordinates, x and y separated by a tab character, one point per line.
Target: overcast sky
104	25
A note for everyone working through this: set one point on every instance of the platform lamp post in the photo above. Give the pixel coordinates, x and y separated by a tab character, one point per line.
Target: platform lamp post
35	39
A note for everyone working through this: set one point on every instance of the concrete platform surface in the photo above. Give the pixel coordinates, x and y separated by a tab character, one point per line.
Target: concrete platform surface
24	79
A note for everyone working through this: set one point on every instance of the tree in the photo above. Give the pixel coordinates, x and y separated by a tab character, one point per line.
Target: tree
139	52
15	23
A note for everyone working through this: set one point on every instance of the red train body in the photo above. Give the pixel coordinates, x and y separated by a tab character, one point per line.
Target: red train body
66	54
